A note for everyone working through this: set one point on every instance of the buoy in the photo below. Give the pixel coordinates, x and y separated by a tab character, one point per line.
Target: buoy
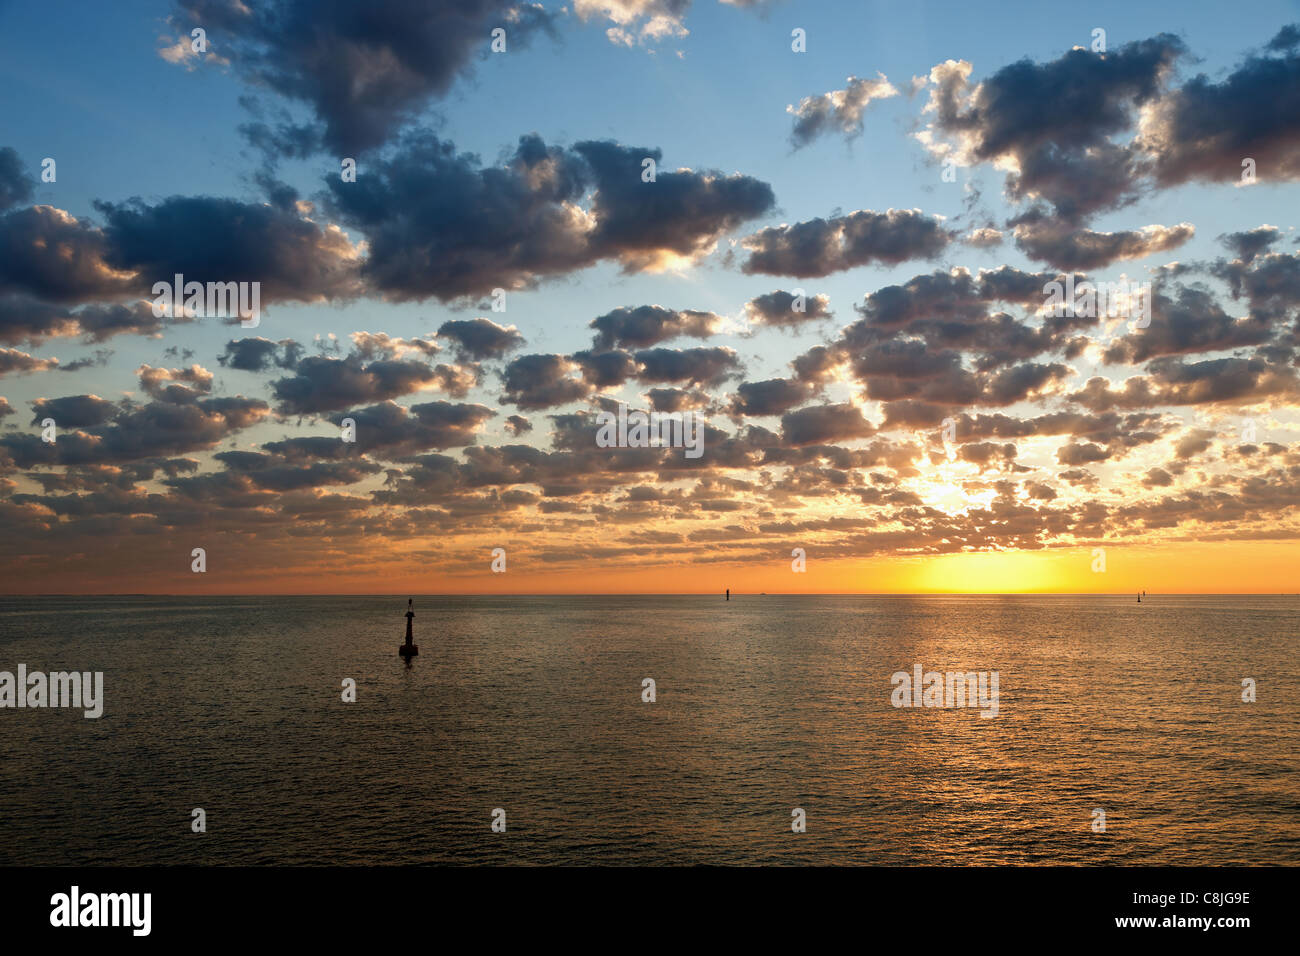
409	650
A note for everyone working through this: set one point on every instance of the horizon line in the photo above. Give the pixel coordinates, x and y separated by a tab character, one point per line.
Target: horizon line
654	594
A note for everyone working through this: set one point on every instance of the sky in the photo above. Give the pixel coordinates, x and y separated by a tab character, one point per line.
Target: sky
839	268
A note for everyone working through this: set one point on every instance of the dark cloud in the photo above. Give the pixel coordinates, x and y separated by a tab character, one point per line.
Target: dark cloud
13	361
542	381
1204	130
25	319
1193	443
1039	491
441	225
1157	478
1184	321
908	368
74	411
364	69
837	111
389	430
100	322
260	355
1270	282
322	384
772	397
1248	244
481	338
48	254
518	425
1054	122
646	325
697	366
954	310
1066	246
677	399
1173	381
135	432
681	214
987	453
818	365
822	424
605	369
223	240
1022	382
273	473
16	186
1076	453
97	360
786	309
820	247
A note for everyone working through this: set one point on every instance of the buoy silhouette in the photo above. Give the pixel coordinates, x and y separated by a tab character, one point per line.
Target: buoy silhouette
409	650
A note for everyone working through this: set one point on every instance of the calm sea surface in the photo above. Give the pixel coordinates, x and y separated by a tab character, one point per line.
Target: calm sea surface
533	705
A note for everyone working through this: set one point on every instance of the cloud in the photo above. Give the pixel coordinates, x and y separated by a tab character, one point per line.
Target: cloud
637	21
774	396
223	240
48	254
259	355
542	381
666	399
780	309
1052	126
481	338
1250	243
16	186
648	325
985	238
1173	381
364	70
823	424
1204	130
178	386
441	225
1193	443
74	411
321	384
132	432
392	430
698	366
1064	246
1186	321
837	111
605	369
518	425
250	472
13	361
927	321
820	247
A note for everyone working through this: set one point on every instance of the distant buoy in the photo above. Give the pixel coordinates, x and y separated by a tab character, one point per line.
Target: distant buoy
409	650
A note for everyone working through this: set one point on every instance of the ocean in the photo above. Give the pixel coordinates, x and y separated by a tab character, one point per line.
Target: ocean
763	705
